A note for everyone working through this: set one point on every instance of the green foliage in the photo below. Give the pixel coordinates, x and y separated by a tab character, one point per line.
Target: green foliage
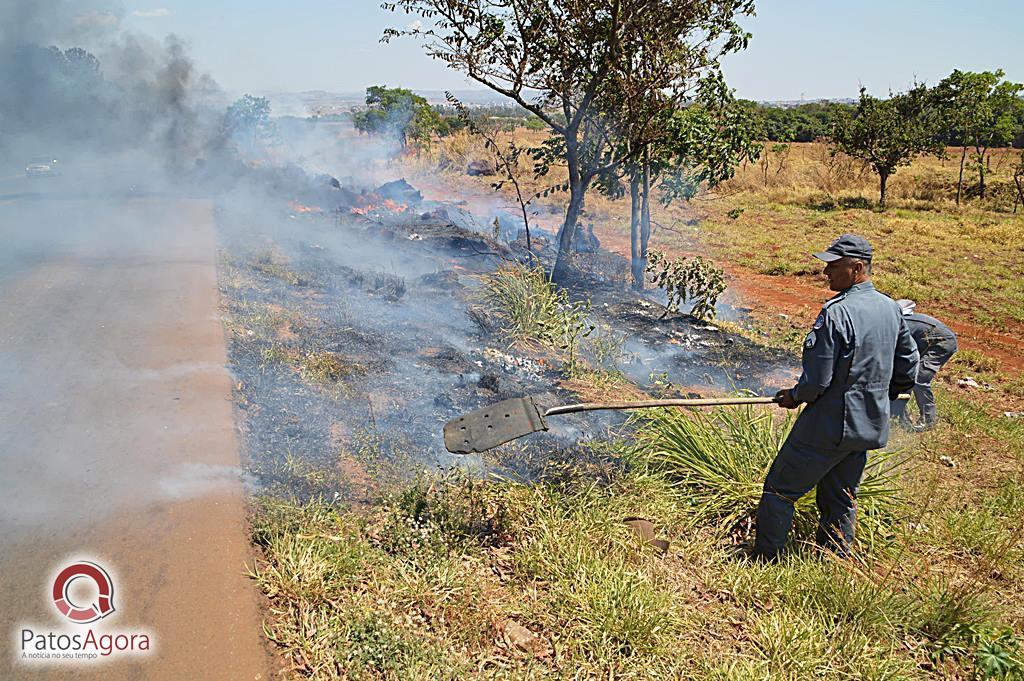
803	123
529	308
534	123
607	606
400	113
887	133
693	279
440	516
605	347
978	109
719	459
324	367
247	118
704	142
999	657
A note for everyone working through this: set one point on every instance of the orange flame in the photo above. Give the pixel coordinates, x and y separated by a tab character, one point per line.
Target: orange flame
299	208
385	206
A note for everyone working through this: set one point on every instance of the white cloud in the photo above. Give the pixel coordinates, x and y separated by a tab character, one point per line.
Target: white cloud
152	13
96	20
414	25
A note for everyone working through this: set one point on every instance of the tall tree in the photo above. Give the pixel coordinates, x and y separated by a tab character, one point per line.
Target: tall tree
569	62
247	116
979	110
887	133
398	112
697	145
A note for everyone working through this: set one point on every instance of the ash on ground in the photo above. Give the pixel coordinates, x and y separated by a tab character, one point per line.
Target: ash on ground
352	338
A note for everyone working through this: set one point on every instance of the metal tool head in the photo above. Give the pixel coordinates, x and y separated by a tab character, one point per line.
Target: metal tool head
493	425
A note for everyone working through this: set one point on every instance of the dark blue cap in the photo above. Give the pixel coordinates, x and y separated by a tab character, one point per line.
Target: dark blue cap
846	246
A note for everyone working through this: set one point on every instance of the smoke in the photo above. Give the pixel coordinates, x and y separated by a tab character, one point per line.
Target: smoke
74	83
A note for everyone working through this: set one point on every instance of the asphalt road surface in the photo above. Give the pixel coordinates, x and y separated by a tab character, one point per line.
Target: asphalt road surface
117	443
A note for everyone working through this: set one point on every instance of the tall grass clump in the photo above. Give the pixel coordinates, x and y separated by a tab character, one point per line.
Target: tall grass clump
719	460
530	309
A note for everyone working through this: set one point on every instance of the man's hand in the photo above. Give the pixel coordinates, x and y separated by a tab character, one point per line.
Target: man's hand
786	401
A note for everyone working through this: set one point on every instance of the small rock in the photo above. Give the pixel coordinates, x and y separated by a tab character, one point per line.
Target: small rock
480	167
516	636
488	382
783	316
1014	414
947	461
967	382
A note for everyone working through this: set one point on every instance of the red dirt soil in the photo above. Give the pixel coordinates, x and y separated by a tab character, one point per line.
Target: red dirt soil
794	296
801	299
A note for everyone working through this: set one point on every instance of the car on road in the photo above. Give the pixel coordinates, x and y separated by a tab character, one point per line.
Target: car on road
42	166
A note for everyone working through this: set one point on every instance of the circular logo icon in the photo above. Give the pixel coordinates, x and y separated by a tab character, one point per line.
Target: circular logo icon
83	614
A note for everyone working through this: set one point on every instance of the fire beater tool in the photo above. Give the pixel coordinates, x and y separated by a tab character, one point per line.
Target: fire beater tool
508	420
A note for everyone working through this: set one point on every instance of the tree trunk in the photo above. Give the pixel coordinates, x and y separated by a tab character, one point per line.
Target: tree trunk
1018	180
882	179
566	235
636	265
960	181
981	173
645	209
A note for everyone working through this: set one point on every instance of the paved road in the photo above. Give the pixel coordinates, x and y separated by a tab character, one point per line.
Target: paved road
116	435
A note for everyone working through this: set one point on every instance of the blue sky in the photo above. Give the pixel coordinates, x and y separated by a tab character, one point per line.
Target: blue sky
804	49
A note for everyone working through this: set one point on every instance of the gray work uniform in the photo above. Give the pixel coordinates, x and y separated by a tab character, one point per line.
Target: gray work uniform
858	356
936	343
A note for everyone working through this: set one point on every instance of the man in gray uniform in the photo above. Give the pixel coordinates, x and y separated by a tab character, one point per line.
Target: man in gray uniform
857	358
936	343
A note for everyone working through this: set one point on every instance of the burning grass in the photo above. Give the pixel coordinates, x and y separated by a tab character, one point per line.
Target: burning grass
448	576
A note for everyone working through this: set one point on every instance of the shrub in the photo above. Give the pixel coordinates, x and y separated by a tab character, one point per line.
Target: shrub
720	459
694	279
529	308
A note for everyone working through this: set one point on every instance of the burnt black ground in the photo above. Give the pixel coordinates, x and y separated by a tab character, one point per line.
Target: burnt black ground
389	296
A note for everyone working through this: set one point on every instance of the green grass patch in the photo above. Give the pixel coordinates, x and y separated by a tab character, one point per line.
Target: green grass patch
529	308
324	367
719	460
426	584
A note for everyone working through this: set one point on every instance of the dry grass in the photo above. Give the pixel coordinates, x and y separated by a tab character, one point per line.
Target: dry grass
425	585
962	261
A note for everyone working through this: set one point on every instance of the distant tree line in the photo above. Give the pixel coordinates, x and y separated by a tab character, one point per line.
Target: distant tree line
409	118
801	123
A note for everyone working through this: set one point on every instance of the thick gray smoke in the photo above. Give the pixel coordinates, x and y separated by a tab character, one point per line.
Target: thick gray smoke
73	83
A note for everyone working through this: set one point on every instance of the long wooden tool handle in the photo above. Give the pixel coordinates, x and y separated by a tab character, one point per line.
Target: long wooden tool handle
682	402
696	402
